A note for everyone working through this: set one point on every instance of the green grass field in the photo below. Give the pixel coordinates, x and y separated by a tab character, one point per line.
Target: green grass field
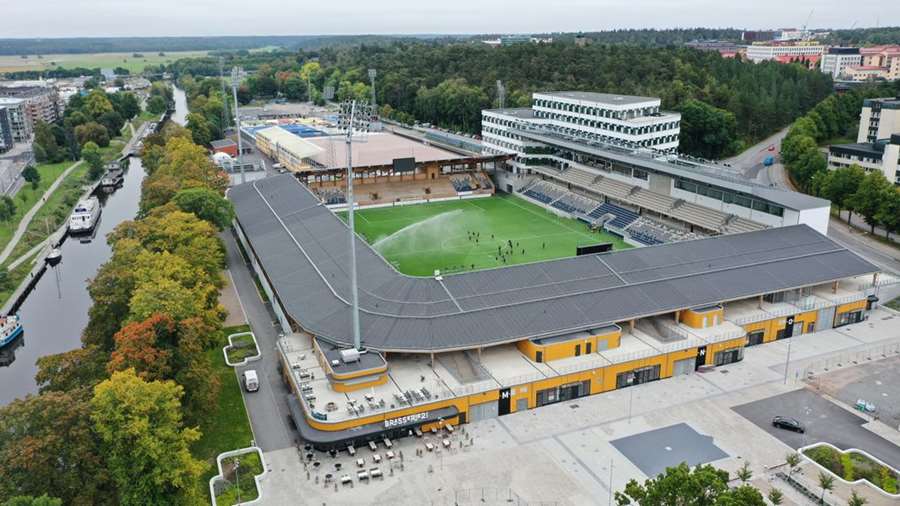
13	63
418	239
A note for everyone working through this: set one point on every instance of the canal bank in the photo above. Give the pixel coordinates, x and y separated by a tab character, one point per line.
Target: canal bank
55	310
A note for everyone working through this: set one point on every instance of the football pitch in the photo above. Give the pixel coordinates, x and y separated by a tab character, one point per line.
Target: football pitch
472	234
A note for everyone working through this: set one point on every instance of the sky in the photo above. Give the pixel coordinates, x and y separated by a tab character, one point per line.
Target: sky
98	18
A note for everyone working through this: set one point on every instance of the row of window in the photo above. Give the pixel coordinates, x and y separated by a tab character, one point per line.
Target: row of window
574	120
597	111
729	197
655	141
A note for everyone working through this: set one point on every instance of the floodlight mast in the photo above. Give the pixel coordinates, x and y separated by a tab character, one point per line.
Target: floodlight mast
354	118
235	82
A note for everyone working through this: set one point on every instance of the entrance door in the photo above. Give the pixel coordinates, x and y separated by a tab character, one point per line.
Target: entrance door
503	404
539	357
577	350
521	404
683	367
755	337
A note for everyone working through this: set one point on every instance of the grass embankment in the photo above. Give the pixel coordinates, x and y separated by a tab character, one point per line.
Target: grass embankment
241	348
241	484
27	197
226	427
420	238
894	304
852	466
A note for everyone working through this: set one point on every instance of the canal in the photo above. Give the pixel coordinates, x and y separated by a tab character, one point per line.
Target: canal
56	311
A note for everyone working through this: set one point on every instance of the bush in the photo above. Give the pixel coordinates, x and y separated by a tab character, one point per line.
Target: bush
847	464
888	481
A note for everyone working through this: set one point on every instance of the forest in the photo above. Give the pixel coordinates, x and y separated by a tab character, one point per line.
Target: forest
726	103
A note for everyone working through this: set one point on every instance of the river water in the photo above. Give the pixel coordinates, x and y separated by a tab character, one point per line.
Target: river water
56	311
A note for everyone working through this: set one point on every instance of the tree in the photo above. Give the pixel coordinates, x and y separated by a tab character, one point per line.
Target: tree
92	132
156	105
146	447
872	192
745	474
32	175
128	106
775	496
94	159
793	461
113	122
7	208
856	500
47	445
46	144
841	183
678	485
145	347
206	205
707	131
96	104
826	482
888	214
24	500
71	370
201	132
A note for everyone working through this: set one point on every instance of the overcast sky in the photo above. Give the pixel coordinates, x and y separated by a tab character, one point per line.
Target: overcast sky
94	18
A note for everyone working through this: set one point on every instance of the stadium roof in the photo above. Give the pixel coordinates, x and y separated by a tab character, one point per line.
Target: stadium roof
302	247
602	98
299	147
379	149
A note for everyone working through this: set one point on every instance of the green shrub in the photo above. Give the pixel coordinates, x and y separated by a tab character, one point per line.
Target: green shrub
847	464
888	481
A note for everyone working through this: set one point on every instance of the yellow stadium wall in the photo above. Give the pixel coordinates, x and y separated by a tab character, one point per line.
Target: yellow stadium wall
712	349
694	319
340	386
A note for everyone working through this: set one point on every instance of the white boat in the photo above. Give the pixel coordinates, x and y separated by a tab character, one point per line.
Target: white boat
85	216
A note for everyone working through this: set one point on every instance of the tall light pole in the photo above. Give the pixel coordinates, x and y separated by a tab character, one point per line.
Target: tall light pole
354	120
235	82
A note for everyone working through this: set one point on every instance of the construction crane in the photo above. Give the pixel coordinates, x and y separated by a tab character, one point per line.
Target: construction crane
803	34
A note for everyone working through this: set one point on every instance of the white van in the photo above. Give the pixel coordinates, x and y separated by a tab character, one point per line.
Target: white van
251	380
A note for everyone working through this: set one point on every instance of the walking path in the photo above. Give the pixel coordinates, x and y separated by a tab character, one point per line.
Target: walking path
37	247
26	220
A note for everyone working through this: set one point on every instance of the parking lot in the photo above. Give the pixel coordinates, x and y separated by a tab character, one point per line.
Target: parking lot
823	420
877	383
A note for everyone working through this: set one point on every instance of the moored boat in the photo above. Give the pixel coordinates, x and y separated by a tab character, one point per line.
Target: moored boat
85	216
10	329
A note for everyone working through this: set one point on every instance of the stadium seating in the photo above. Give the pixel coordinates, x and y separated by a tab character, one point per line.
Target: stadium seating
650	232
623	217
461	184
572	203
736	225
332	196
705	217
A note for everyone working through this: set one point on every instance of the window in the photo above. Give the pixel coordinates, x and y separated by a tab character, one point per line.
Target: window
729	356
640	174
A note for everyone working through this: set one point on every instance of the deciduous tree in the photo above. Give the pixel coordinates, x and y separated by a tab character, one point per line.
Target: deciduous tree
139	425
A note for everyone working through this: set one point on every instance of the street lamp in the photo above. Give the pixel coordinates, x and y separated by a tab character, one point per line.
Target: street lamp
354	120
235	82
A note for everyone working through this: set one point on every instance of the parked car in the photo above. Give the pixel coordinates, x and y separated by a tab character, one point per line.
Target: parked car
251	380
786	423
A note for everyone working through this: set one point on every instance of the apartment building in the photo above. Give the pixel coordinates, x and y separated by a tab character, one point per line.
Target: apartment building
18	122
41	101
878	62
837	61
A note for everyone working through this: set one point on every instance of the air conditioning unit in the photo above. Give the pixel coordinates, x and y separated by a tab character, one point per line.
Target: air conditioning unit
350	355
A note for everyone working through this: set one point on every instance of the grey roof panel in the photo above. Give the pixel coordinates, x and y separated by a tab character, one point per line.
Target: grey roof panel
302	247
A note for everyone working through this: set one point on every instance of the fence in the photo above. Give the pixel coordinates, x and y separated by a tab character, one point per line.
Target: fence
849	358
485	495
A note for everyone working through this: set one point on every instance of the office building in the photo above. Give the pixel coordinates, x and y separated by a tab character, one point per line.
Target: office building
786	53
879	119
838	60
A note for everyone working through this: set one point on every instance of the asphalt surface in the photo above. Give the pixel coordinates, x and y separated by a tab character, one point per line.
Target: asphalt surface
824	422
655	450
268	409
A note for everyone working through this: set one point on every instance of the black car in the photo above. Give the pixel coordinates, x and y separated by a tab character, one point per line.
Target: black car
783	422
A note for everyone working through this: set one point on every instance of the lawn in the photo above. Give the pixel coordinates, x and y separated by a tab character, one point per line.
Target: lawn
241	348
27	197
226	426
14	63
473	234
243	482
894	304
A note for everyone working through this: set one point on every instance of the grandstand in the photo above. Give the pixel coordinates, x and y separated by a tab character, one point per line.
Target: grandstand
478	344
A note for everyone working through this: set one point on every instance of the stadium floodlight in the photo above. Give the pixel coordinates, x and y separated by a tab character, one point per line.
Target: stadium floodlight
354	121
235	82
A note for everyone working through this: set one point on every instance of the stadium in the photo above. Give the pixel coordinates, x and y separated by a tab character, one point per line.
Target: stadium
475	303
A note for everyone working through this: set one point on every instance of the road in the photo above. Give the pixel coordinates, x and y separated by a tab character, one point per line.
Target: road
267	408
750	162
